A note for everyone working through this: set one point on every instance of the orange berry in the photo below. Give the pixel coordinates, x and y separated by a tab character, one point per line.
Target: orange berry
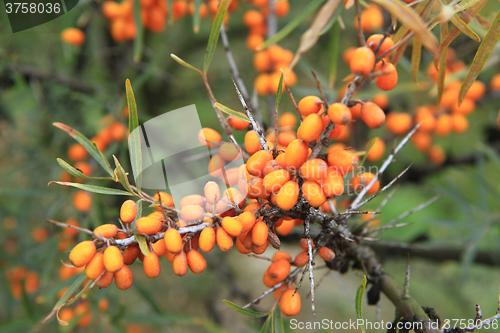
237	123
103	303
282	8
355	111
95	266
229	151
254	41
130	254
106	231
262	61
495	82
179	264
123	278
382	100
444	125
476	91
113	259
39	234
282	255
342	160
372	19
285	228
207	239
82	253
232	226
424	116
309	105
436	155
82	201
301	259
272	166
173	240
209	137
389	79
255	189
467	107
279	270
313	193
192	213
166	200
372	115
314	169
399	123
460	123
148	226
82	310
311	128
339	113
376	151
359	182
333	184
374	40
128	211
326	253
224	240
296	154
261	83
73	36
247	220
362	61
290	302
421	140
288	120
259	233
212	192
253	18
284	138
151	265
260	249
288	195
159	247
252	143
196	262
111	10
256	163
275	180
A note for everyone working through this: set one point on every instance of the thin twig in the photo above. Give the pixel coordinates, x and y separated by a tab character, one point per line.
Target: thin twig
311	263
361	35
406	286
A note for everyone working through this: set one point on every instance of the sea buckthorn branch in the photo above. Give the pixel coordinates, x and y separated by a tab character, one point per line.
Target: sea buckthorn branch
311	264
255	125
478	319
361	35
293	102
87	231
356	203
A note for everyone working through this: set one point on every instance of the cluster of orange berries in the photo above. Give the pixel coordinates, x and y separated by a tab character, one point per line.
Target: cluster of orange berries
268	63
255	19
19	277
73	36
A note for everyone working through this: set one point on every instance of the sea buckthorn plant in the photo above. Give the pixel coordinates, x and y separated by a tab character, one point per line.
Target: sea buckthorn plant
307	173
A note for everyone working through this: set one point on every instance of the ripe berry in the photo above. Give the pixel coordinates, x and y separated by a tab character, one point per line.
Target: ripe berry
373	43
229	152
247	220
159	247
130	254
339	114
286	227
256	163
259	233
123	278
342	160
128	211
207	239
372	115
326	253
314	169
279	270
362	61
399	123
190	213
95	266
444	125
313	193
196	262
166	200
287	120
389	79
290	302
106	231
309	105
224	240
282	255
437	155
232	226
275	180
173	240
288	195
179	264
311	128
73	36
148	225
361	181
237	123
333	184
82	201
209	137
151	265
376	151
272	166
105	280
113	259
296	154
82	253
216	165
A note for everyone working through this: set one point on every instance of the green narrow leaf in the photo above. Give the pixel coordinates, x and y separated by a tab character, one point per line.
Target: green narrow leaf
267	323
279	92
183	63
93	188
139	36
77	296
359	301
71	290
122	176
464	28
134	142
214	33
442	64
294	23
227	110
416	54
246	312
143	245
334	52
465	4
196	16
482	54
370	145
77	173
89	146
